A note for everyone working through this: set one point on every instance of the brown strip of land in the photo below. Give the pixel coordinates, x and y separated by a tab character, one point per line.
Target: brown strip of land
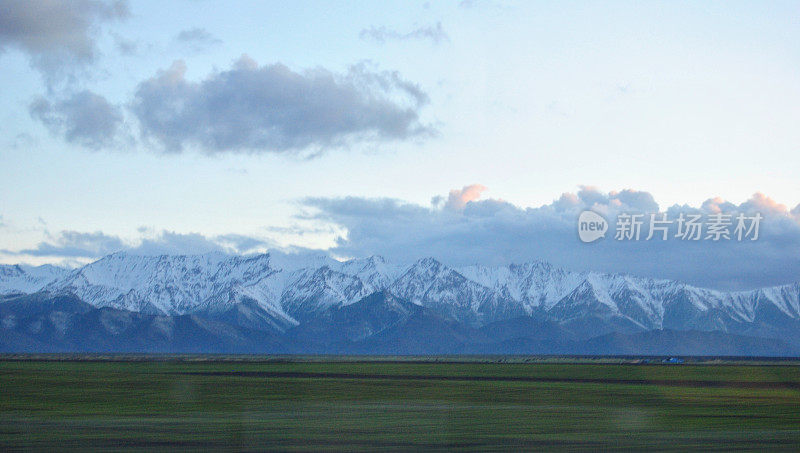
413	377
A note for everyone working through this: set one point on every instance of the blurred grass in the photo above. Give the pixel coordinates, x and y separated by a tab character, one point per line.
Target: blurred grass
349	405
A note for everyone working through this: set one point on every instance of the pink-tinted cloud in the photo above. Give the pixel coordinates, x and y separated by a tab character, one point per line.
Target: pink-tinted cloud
759	202
764	204
458	199
717	205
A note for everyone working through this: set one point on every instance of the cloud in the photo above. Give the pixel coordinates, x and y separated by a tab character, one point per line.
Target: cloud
492	231
197	39
74	244
23	140
463	229
84	118
433	33
764	204
58	35
469	4
125	47
458	199
171	243
590	197
271	108
243	243
795	213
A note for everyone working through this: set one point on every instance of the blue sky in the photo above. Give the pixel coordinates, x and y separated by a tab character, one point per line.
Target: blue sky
117	128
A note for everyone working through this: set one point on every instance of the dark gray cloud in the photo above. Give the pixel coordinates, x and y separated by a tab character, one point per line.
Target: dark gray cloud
497	232
84	118
197	39
271	108
59	35
433	33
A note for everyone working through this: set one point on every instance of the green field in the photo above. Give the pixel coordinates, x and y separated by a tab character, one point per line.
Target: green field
324	404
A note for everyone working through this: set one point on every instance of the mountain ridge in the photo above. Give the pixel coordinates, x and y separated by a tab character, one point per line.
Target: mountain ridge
278	292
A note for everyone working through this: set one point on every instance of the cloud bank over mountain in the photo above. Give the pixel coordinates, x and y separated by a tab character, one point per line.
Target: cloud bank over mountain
465	229
75	244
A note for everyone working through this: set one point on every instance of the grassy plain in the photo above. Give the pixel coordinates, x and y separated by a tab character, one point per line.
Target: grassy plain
325	403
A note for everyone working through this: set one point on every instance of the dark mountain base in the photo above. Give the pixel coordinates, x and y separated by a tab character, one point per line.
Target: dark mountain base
378	324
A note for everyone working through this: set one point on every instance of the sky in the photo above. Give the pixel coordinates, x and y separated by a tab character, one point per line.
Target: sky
474	131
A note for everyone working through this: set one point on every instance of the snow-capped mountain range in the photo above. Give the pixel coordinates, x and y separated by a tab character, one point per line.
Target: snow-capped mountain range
293	289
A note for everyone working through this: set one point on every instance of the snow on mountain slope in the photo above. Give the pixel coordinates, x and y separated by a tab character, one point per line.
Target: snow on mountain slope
432	284
534	284
606	296
161	284
174	285
291	288
650	303
374	272
309	291
589	311
288	262
171	285
19	278
786	298
539	284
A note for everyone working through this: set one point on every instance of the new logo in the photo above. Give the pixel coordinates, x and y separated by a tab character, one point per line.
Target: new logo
591	226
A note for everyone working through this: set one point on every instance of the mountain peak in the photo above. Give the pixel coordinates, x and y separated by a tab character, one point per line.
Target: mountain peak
295	287
429	262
